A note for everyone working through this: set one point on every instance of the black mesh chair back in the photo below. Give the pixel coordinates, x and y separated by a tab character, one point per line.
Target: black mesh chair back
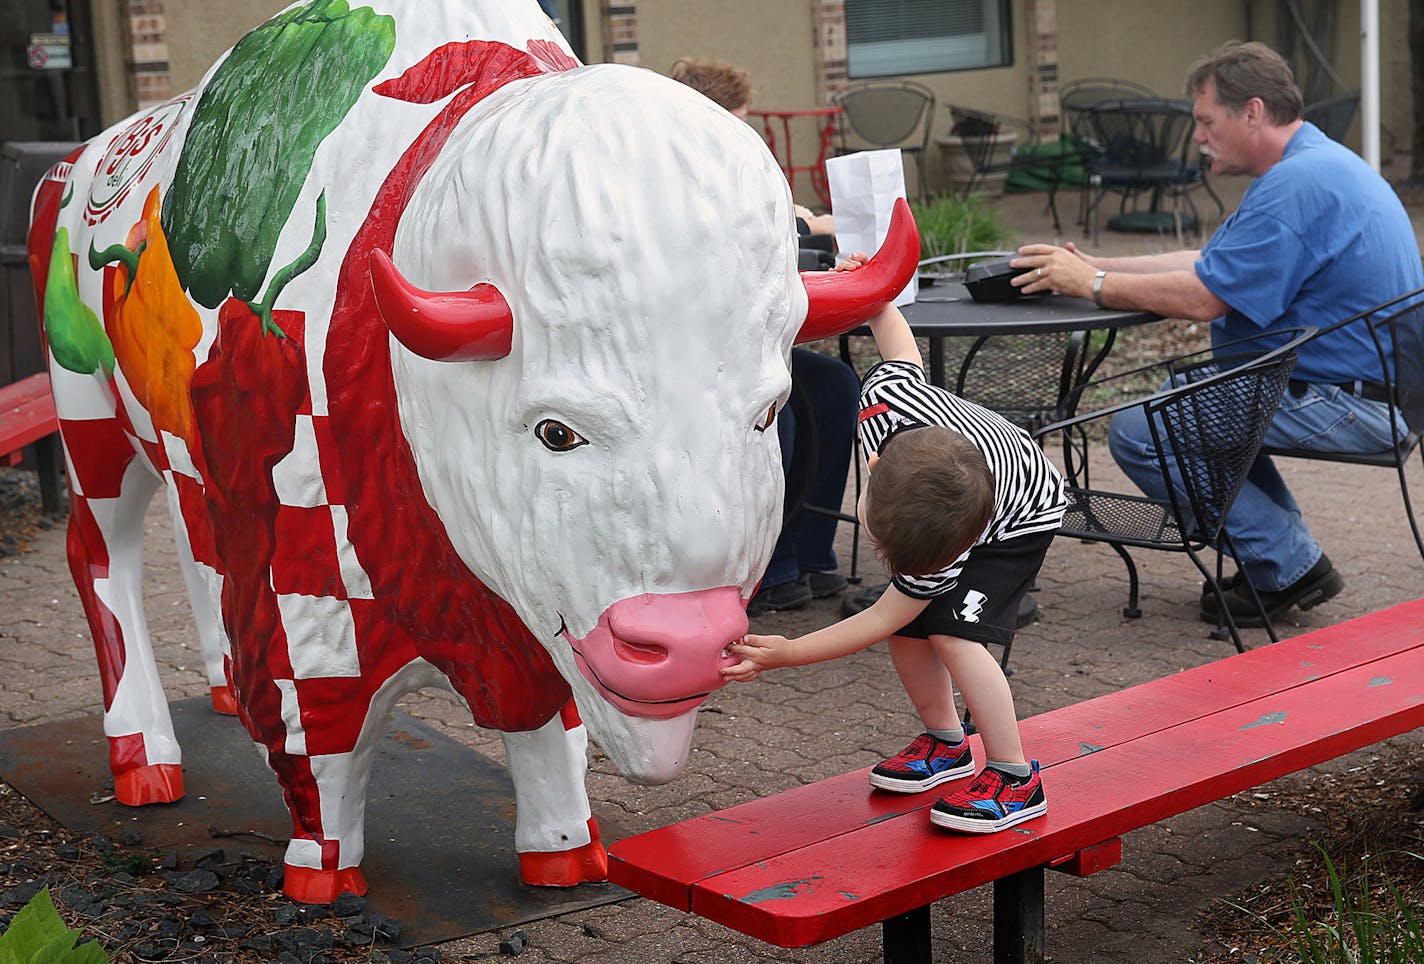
1022	377
1334	116
1207	426
883	114
1214	428
979	137
1143	147
1396	329
1406	336
1075	99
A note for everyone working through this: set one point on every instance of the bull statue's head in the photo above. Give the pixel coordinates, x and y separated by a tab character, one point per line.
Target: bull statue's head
595	292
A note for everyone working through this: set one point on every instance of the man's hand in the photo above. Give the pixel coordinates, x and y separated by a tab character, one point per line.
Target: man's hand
1066	270
758	653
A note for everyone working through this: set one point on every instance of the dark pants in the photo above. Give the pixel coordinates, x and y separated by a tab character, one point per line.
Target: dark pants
831	392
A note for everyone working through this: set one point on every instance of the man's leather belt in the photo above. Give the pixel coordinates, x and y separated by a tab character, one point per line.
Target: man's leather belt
1369	391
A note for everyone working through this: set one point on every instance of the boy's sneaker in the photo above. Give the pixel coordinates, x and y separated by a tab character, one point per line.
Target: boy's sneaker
925	763
992	802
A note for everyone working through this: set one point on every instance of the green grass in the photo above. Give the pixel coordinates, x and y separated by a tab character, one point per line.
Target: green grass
951	225
1369	923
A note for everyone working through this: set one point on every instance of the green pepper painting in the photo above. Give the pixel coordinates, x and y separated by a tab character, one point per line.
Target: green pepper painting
261	117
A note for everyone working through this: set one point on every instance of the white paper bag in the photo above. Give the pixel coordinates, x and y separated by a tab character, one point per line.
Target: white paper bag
864	187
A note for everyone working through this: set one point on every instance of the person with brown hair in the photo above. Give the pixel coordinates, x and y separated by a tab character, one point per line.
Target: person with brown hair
962	506
727	85
1318	237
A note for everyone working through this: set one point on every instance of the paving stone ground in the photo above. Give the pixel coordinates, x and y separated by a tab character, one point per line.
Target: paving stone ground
798	726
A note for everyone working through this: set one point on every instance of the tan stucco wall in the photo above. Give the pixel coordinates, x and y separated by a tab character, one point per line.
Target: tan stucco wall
771	41
111	61
200	31
1152	44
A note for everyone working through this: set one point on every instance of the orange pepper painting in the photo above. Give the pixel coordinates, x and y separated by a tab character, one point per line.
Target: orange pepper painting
154	327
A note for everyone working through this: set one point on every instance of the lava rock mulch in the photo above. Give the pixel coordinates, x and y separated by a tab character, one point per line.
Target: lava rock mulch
143	905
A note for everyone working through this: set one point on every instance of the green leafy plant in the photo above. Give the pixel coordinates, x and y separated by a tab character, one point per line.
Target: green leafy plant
950	224
1371	923
37	935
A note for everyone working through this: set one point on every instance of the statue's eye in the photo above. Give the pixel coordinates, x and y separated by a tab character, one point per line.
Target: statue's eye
558	437
767	420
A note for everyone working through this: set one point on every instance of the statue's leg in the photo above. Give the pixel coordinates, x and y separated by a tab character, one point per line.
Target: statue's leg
555	833
192	532
325	774
110	490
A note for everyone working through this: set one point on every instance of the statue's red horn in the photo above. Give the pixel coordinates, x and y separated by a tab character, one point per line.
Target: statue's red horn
840	300
474	325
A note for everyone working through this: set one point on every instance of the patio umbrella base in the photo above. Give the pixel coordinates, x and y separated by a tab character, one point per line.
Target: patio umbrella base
1151	222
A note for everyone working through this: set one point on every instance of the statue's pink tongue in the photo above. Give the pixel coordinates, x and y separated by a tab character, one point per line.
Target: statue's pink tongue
659	655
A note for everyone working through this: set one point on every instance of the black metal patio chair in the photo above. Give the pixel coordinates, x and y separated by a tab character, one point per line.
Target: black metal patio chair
1396	328
1075	99
979	133
1334	115
885	114
1142	147
1207	427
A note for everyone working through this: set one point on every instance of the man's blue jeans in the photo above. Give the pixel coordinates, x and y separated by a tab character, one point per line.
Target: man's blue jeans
1274	543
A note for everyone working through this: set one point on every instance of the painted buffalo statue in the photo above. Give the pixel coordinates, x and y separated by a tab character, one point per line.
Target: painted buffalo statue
457	361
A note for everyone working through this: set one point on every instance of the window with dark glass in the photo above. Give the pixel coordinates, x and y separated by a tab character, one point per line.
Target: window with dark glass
892	37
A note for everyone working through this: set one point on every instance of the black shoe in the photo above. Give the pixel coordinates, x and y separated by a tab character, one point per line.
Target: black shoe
1228	583
1322	582
823	584
862	600
786	595
1028	612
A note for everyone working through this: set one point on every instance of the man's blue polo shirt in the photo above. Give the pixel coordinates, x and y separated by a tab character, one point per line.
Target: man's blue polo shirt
1317	238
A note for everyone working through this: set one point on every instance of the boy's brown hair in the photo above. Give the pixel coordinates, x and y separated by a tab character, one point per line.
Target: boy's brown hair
931	495
723	83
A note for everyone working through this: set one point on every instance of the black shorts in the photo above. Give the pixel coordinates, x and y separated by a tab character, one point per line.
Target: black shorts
984	603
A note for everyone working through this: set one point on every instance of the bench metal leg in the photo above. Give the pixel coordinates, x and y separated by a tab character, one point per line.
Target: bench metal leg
905	938
1018	918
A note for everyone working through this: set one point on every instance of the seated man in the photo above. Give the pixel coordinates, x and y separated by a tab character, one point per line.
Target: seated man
1319	236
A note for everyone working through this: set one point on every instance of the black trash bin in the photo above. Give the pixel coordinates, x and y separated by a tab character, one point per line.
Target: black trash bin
22	164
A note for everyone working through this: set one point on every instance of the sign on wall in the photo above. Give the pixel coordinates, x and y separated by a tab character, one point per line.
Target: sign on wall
49	51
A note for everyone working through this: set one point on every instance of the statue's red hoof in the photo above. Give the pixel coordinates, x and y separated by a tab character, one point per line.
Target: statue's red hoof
308	886
565	868
223	702
154	783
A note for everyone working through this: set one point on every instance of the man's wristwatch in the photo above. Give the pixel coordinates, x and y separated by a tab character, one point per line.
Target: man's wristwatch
1098	287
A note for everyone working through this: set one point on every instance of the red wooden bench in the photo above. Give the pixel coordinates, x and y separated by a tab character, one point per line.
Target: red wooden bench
819	861
28	417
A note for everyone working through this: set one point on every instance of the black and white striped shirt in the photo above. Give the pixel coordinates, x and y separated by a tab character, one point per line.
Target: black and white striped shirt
1028	490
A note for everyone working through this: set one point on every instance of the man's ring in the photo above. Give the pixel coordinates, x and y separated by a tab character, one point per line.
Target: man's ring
1040	272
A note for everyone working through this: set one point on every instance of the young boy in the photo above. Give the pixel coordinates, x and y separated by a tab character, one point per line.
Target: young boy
962	506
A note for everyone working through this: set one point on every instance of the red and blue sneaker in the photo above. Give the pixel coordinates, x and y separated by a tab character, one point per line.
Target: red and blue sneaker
925	763
993	801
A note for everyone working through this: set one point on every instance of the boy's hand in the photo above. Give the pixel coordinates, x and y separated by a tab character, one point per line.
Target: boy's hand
853	261
758	653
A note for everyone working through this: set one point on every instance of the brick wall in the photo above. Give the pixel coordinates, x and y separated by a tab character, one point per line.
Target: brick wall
828	22
620	32
147	61
1042	54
